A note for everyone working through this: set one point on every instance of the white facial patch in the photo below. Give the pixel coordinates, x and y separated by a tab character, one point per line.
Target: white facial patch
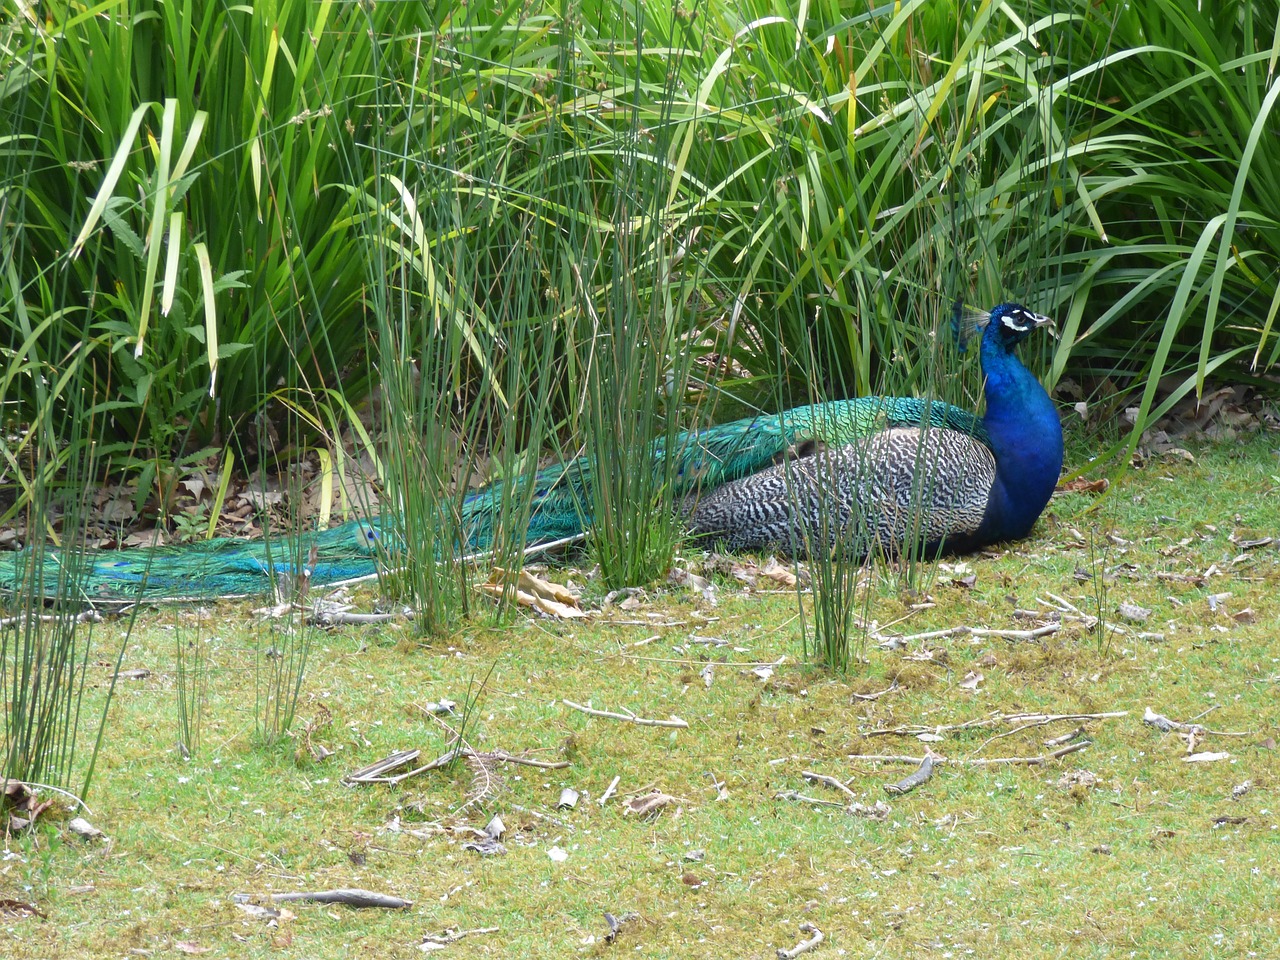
1022	321
1018	320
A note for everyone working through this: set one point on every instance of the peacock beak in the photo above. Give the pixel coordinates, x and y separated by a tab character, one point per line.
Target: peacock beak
1040	320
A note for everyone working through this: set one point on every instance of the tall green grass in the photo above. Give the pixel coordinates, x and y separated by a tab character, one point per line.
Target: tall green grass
821	169
49	652
516	231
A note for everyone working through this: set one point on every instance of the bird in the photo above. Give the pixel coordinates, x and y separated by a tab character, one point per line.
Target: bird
702	461
946	488
705	458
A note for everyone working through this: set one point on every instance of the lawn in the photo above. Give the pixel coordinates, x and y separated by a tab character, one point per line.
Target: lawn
1120	849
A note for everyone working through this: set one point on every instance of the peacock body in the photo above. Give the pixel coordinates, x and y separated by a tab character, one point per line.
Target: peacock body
712	456
939	487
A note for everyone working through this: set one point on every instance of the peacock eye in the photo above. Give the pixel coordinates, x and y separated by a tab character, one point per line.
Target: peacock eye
1018	321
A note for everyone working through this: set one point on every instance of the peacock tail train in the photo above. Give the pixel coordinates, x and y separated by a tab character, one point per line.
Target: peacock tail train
228	567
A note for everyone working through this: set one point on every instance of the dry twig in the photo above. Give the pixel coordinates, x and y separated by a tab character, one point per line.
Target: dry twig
373	772
1165	725
628	716
453	936
609	791
963	631
975	761
348	896
913	780
830	782
87	616
804	946
1025	720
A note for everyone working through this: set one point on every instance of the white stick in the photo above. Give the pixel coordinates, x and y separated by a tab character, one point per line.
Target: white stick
804	946
628	717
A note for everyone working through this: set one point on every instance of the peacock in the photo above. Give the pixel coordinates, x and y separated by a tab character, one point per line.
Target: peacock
561	499
706	460
952	488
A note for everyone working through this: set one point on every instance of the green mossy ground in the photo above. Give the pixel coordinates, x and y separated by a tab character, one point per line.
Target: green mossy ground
998	861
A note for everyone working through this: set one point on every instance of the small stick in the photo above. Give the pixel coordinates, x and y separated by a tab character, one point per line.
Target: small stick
876	696
690	662
1035	634
348	896
337	618
87	616
372	774
976	761
830	782
503	757
1061	605
650	623
804	946
453	936
1165	725
374	771
1035	722
529	551
1026	719
801	798
628	717
910	782
1066	737
609	791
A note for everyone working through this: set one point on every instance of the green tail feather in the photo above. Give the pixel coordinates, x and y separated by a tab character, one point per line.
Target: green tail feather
562	501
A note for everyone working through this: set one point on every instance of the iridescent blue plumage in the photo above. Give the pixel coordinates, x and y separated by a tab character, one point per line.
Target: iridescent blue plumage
932	486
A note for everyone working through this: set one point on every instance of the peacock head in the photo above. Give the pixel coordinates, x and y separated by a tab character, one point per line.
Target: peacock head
1007	325
1011	323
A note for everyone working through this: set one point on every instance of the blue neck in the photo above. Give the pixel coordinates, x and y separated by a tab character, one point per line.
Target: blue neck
1026	438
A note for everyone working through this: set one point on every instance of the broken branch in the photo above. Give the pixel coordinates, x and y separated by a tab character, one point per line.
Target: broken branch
962	631
830	782
628	716
976	761
804	946
1025	720
348	896
916	779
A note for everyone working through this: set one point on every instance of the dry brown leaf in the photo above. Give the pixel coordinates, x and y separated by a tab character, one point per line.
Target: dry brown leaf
83	828
699	585
971	680
1133	613
1081	485
648	805
182	946
778	573
535	593
16	910
145	538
